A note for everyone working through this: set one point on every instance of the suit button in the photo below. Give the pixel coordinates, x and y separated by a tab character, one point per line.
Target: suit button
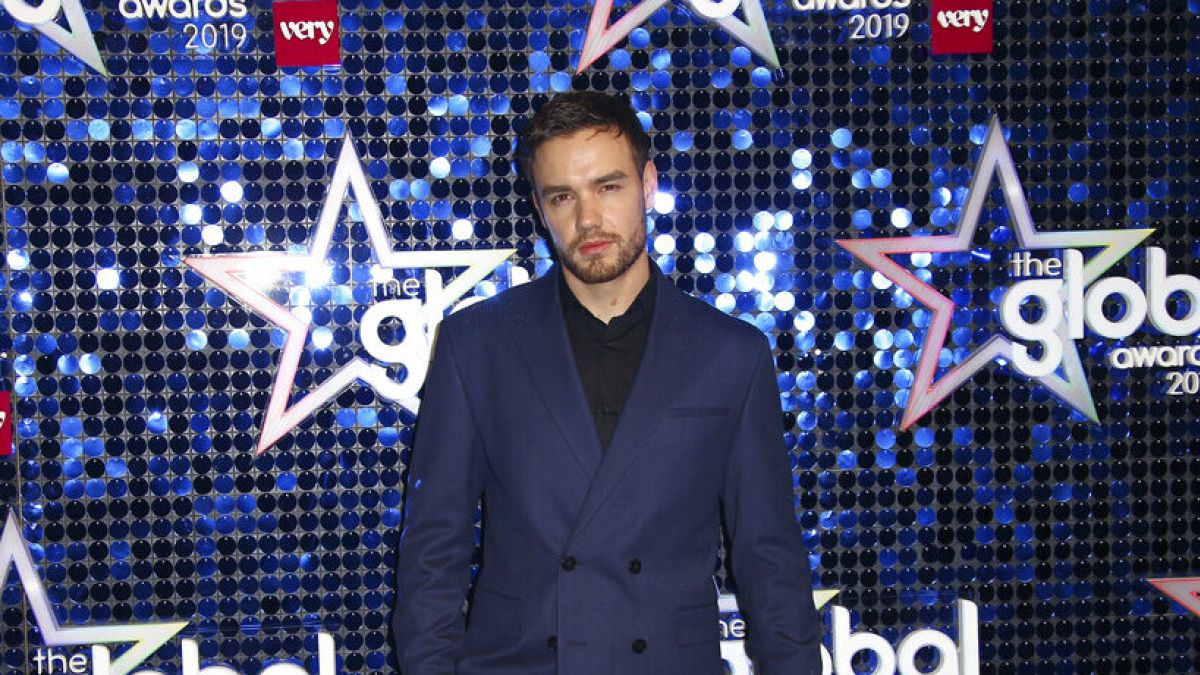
567	563
639	646
635	566
552	642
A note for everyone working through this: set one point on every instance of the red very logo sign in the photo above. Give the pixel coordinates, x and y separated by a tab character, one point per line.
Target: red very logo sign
961	26
306	33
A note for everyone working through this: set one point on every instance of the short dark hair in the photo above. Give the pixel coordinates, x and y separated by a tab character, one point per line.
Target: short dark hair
576	110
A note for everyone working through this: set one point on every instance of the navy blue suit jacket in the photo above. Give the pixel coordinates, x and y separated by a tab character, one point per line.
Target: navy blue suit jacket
594	561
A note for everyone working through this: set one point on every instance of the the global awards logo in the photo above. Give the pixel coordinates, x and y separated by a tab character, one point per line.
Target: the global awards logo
959	657
1058	292
220	25
397	316
90	650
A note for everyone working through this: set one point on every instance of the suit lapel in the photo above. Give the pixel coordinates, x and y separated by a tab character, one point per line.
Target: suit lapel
663	365
541	339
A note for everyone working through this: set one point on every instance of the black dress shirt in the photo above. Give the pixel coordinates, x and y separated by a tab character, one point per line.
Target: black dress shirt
607	356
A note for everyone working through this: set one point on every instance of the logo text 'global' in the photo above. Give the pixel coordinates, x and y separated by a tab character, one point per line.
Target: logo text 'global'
1067	303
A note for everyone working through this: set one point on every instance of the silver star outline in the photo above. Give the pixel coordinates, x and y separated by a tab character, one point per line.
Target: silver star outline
994	160
228	271
43	18
146	637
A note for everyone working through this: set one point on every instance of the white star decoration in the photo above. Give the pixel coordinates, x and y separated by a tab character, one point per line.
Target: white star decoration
236	274
146	638
43	18
753	32
994	160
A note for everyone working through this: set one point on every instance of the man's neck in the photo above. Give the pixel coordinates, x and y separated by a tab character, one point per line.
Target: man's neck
611	298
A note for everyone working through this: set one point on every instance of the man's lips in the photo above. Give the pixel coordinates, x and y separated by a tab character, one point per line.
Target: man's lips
594	247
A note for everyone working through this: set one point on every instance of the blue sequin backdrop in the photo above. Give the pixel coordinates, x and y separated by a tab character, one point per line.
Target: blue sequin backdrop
139	387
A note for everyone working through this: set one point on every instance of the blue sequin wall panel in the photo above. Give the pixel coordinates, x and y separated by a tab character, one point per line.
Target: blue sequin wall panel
209	449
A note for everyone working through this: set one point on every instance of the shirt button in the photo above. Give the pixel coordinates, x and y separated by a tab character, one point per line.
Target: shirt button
635	566
552	642
639	646
567	563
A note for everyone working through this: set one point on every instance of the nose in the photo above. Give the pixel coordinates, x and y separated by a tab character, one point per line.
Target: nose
588	213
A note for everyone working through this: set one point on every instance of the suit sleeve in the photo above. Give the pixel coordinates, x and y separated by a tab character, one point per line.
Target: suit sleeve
770	564
437	541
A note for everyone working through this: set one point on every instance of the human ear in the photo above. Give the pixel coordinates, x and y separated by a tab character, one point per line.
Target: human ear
649	184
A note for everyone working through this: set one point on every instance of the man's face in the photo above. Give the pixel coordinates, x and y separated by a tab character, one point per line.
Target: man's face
593	198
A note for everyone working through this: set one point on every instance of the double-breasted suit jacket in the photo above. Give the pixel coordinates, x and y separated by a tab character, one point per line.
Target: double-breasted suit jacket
598	561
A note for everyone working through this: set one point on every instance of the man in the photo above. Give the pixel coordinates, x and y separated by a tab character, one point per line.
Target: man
610	423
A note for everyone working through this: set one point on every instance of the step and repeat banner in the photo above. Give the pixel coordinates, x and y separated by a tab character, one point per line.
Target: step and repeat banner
970	229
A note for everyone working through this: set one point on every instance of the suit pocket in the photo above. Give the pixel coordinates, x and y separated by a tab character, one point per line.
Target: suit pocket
696	411
697	624
495	613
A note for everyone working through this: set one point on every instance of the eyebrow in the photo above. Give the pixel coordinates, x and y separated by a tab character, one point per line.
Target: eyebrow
599	180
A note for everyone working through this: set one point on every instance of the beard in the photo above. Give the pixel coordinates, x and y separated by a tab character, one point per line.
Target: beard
602	269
